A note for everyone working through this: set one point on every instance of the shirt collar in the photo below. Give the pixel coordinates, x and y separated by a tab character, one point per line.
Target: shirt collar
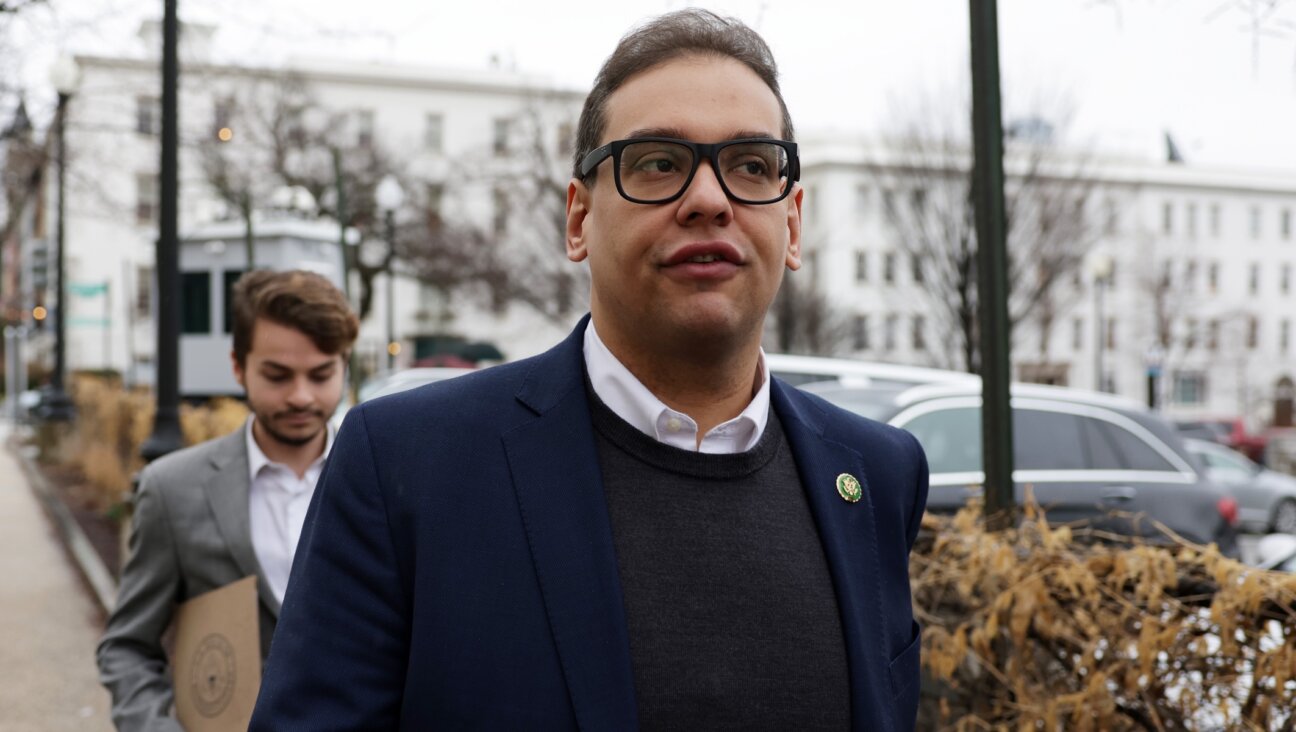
257	458
630	400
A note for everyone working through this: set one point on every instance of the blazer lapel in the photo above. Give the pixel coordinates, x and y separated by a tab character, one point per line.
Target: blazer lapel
227	494
848	532
555	468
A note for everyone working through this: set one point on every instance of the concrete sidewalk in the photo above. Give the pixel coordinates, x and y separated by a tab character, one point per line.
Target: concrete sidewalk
48	623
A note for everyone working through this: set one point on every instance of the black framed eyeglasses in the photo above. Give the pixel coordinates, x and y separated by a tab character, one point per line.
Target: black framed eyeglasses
659	169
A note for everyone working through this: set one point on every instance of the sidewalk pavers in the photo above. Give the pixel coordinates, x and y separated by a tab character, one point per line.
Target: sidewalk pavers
49	624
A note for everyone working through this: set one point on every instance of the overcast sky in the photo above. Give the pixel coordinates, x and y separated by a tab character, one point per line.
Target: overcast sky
1129	68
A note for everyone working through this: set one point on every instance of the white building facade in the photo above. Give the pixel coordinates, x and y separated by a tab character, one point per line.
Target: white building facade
1199	284
434	126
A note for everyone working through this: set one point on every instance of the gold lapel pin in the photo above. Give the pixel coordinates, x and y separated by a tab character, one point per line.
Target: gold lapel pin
849	487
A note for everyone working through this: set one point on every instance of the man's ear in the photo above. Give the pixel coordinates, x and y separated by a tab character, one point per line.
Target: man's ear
578	207
794	227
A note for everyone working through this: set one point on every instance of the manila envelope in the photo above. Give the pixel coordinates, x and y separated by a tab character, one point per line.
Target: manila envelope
216	667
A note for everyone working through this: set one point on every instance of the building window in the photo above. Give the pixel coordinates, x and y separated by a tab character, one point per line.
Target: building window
1215	220
148	115
1077	334
499	220
435	192
919	333
860	333
500	136
889	333
566	138
1190	333
146	198
433	132
1284	279
861	200
888	268
1191	215
294	126
228	278
1111	334
1190	275
1253	332
917	266
1112	224
1285	224
1212	277
223	119
1253	279
364	128
1212	335
1189	387
1167	218
1284	335
1167	273
1255	222
888	204
143	291
861	266
195	303
918	202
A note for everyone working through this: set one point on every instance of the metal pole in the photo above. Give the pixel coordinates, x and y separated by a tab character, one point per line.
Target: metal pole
391	290
1100	335
166	435
992	267
58	406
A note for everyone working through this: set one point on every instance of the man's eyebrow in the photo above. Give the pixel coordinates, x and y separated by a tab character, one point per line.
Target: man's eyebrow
281	367
679	134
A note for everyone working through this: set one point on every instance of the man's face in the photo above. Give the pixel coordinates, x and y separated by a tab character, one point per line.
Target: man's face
642	294
292	387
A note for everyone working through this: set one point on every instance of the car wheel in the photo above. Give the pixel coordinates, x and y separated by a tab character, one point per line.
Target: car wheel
1284	517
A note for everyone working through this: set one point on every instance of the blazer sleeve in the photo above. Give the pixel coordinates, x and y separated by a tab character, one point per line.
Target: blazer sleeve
338	657
921	488
132	662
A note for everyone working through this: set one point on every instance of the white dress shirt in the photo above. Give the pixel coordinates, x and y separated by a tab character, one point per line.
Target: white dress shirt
277	503
630	400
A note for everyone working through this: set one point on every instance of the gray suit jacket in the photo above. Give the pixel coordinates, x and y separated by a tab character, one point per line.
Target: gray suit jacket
190	535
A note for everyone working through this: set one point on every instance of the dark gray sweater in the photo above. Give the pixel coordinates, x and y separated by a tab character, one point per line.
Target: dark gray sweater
732	617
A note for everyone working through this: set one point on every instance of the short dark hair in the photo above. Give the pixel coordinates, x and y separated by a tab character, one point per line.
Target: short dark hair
684	32
296	299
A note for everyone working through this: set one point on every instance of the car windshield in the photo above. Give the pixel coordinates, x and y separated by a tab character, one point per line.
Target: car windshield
874	403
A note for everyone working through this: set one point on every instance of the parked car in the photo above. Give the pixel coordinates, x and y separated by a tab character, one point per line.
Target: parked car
1230	431
1277	552
1266	498
798	370
392	382
1090	459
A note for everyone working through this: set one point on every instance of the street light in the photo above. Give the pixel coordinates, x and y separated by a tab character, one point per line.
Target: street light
1100	267
389	196
65	75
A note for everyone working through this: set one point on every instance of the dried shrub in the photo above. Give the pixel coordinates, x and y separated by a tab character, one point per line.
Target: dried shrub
1034	629
112	424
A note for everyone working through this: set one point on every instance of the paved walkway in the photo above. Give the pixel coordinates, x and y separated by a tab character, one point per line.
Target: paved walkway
48	623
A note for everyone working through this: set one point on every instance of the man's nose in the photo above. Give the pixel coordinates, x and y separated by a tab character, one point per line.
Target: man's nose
705	199
301	394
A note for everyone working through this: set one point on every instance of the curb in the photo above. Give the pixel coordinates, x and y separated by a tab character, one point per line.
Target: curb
102	584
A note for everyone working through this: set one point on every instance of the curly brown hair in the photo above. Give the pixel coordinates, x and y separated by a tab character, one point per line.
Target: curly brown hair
297	299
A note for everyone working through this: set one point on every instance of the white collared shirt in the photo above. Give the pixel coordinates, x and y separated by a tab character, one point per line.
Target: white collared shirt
277	503
630	400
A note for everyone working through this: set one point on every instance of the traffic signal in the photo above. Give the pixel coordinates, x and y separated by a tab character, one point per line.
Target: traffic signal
38	266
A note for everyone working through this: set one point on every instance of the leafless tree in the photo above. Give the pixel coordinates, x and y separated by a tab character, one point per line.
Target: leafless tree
803	320
929	205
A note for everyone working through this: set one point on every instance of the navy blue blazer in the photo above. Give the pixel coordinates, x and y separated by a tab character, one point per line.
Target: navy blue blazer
457	567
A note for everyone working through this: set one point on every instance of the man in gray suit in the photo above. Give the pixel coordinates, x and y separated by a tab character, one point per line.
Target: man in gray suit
214	513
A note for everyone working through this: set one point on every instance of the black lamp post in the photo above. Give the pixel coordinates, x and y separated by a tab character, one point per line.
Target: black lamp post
57	406
166	436
389	197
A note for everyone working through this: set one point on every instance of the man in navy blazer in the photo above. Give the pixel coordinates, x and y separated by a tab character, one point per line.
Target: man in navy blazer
639	528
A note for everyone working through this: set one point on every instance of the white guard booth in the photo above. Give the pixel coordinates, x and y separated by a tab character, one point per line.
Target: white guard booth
212	258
